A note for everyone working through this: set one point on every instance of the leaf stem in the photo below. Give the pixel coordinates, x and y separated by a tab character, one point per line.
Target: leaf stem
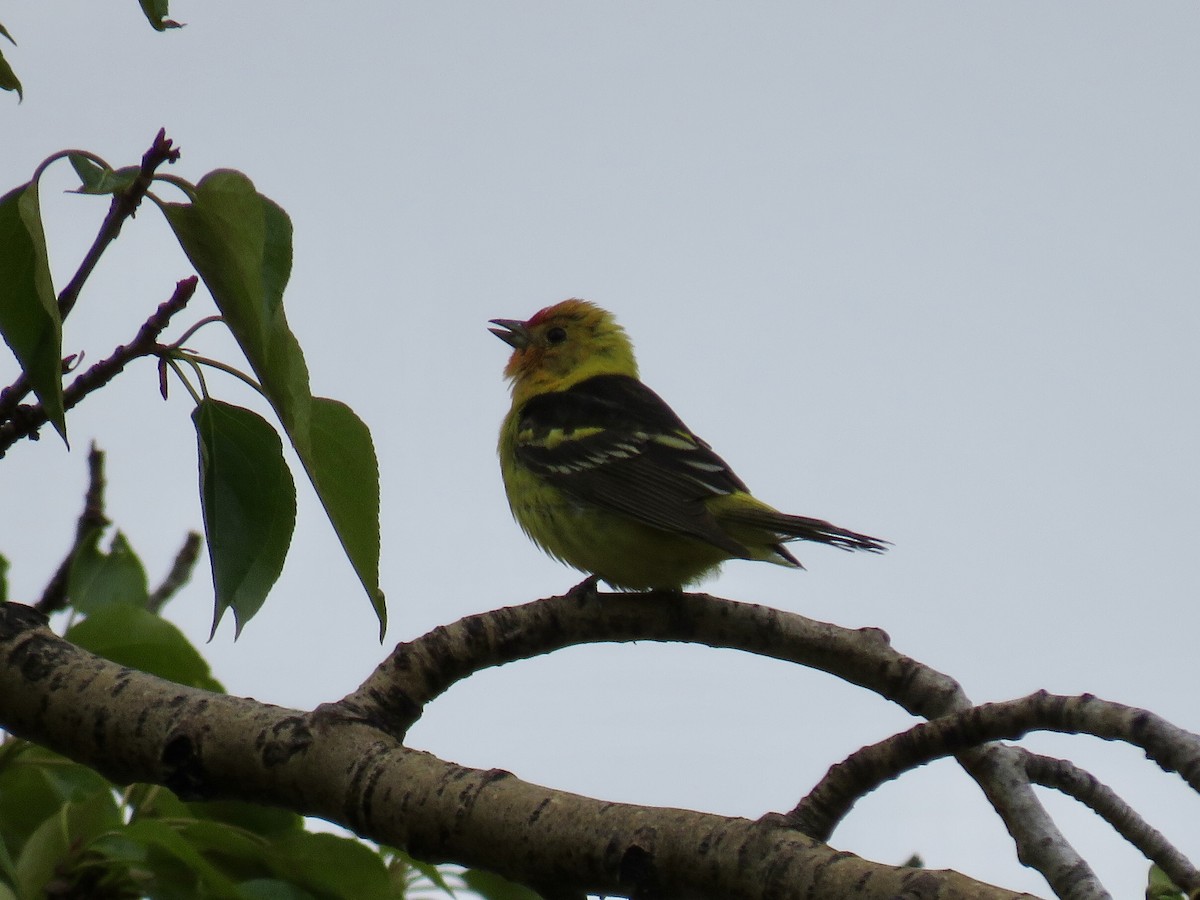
182	183
207	320
173	362
65	154
196	360
26	420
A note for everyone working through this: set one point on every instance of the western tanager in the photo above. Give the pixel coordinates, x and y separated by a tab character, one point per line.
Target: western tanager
603	475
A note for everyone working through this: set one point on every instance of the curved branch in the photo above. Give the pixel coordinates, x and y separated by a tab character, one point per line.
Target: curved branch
418	671
1174	749
133	726
1065	776
26	420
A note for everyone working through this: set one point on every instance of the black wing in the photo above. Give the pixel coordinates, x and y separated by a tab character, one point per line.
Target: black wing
611	441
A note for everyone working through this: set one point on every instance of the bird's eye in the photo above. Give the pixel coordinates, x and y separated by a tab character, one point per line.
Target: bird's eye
556	335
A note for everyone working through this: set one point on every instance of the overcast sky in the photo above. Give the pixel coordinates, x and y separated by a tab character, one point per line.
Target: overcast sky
926	269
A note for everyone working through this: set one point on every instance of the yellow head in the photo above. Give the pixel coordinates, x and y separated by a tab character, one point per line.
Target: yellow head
562	345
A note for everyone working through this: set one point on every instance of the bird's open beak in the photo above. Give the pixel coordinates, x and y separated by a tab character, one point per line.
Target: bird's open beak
512	331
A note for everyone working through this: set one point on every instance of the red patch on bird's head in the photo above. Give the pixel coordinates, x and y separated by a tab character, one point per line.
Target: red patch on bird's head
572	309
568	341
531	357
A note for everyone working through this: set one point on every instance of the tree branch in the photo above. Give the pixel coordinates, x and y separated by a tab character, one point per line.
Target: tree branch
54	597
180	574
1040	844
131	726
11	396
124	206
27	419
1174	749
418	671
1065	776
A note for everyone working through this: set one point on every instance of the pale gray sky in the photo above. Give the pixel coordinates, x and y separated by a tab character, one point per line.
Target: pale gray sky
925	269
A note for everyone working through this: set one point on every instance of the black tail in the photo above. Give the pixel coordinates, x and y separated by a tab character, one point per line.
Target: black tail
802	528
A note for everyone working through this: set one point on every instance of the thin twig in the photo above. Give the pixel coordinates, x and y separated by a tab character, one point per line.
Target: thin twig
27	419
124	206
180	574
13	395
92	518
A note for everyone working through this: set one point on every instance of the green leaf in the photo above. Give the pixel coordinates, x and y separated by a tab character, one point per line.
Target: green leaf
491	886
1160	887
98	579
98	179
42	853
34	784
90	818
272	889
408	873
3	579
267	821
160	835
238	852
156	12
331	866
58	842
249	503
8	78
8	868
117	867
29	319
152	801
141	640
241	245
68	780
345	472
117	848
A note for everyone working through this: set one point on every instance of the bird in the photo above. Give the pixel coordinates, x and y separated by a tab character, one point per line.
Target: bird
601	473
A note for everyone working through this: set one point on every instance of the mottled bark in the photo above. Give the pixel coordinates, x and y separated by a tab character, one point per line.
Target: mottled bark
339	764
